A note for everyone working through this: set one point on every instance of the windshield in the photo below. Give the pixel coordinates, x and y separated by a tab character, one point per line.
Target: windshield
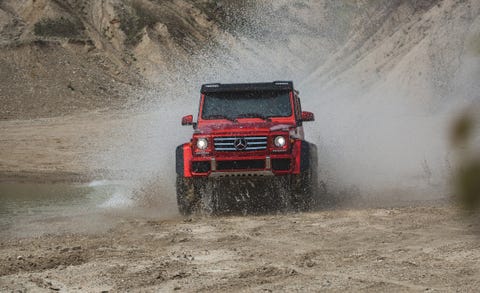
256	104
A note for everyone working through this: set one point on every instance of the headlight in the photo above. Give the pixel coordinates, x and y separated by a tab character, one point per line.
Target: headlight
279	141
202	143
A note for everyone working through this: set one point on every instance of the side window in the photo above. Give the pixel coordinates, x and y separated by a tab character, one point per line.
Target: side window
298	108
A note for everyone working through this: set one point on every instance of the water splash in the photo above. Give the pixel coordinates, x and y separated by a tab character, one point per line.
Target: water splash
381	122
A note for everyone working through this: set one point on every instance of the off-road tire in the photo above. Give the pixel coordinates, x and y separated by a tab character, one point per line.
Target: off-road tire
187	198
303	187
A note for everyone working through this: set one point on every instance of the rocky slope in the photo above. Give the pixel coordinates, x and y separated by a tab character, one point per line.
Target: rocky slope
59	57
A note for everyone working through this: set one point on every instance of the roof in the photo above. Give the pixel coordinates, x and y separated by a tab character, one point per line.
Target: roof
241	87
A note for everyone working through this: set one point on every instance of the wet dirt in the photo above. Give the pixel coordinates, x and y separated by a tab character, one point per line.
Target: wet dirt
147	246
396	249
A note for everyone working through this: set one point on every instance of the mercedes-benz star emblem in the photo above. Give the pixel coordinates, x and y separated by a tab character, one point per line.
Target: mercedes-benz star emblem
240	144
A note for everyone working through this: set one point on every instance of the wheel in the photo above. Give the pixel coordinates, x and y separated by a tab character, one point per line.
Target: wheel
187	198
208	195
195	195
302	191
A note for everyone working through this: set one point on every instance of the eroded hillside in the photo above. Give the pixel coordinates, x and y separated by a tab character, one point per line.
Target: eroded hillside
61	57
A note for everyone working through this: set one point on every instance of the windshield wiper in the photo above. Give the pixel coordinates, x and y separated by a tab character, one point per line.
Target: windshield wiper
253	115
219	117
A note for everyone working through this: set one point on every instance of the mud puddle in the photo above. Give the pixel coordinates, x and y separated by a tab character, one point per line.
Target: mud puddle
27	208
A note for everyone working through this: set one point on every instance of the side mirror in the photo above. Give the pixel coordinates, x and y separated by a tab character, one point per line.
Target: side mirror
308	116
187	120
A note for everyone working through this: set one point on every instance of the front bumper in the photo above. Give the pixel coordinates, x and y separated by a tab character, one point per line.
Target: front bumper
266	165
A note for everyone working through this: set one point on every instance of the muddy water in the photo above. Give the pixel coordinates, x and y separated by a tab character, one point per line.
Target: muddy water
49	208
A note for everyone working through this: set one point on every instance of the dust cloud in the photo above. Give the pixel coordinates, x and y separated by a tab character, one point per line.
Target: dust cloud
381	123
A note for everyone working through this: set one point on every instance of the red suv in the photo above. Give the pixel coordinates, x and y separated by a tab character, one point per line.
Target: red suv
250	131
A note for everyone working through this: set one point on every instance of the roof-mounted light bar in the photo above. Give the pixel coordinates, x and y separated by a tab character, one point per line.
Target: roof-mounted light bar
212	85
282	82
237	87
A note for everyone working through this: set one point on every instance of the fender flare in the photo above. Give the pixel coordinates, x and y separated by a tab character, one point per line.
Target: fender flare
308	156
183	158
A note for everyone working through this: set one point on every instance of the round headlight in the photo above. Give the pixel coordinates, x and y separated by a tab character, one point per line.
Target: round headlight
202	143
279	141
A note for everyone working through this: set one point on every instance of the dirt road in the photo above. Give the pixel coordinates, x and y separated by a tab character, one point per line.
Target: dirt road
402	249
429	248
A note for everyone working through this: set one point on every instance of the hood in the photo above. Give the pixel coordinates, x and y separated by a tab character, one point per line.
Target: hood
236	128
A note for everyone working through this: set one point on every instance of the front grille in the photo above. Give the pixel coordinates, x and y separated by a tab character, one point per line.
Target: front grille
248	143
240	165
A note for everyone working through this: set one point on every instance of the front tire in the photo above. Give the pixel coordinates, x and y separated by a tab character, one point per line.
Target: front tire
187	198
196	195
303	191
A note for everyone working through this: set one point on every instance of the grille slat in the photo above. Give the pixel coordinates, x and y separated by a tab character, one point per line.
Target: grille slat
257	143
225	138
255	148
253	143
